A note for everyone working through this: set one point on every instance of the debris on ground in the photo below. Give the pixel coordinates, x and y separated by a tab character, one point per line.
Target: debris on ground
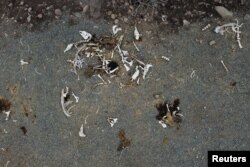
24	130
223	64
81	134
96	56
7	114
212	42
165	58
23	62
137	35
65	102
235	29
124	141
206	27
112	121
169	113
4	104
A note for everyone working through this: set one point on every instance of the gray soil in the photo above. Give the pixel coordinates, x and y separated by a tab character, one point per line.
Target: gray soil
216	110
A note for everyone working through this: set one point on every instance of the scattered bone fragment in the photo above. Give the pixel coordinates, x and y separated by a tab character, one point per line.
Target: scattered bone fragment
65	102
137	35
116	29
146	69
23	62
112	121
225	67
136	74
165	58
76	97
81	133
69	46
7	114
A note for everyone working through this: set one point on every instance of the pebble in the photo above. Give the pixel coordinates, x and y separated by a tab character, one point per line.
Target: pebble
212	43
247	17
40	16
113	16
126	4
125	19
64	7
58	12
185	22
116	21
223	12
49	7
30	9
78	14
29	18
10	5
21	3
109	13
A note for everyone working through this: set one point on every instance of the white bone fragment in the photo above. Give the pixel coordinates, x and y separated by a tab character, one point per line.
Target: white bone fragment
192	75
116	29
76	97
136	47
114	70
136	74
126	67
112	121
206	27
64	104
81	134
86	36
138	81
146	69
162	124
7	163
137	35
224	65
69	46
23	62
165	58
7	114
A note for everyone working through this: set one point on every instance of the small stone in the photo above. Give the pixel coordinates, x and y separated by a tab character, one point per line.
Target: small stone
131	7
109	12
113	16
58	12
64	7
10	5
223	12
29	18
77	14
129	11
126	4
247	17
49	7
30	9
185	22
125	19
212	43
21	3
40	16
116	21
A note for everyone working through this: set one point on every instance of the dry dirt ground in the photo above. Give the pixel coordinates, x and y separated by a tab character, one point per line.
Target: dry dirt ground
214	101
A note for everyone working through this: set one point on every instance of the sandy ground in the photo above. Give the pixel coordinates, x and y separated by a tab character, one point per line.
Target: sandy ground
216	114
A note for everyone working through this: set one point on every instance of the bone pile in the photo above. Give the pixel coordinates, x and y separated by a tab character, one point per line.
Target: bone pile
95	49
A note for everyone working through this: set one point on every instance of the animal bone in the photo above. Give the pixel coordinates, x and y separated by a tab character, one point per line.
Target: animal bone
64	104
